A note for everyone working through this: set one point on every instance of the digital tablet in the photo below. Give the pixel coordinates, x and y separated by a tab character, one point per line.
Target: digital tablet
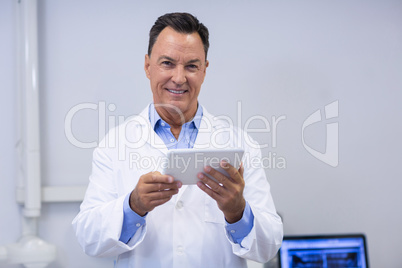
185	164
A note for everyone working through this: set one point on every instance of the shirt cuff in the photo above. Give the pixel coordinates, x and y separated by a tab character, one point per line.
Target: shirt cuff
131	221
240	229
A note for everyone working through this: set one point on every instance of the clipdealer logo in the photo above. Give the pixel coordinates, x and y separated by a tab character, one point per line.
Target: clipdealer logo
331	154
268	126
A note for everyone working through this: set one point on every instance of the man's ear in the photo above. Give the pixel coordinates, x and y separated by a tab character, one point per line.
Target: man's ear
146	65
206	66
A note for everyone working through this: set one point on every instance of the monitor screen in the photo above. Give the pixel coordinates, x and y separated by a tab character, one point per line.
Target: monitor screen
323	251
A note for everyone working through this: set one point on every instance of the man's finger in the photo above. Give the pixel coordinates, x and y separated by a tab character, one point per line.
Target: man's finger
161	194
156	187
213	185
232	171
204	187
156	177
241	169
216	174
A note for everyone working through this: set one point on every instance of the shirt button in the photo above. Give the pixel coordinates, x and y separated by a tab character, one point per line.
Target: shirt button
232	231
180	250
138	224
162	124
171	140
179	204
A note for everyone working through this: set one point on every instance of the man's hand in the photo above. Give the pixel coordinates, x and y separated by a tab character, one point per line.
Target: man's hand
228	193
153	189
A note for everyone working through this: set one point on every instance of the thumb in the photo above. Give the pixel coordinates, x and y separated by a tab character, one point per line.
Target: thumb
241	169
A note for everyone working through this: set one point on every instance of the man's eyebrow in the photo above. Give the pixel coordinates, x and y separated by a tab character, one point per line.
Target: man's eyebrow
166	58
194	61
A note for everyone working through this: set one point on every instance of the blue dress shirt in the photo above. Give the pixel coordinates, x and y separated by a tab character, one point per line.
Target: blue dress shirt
188	134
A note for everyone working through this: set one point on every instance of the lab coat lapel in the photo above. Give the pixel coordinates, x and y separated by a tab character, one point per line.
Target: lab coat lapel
148	134
207	127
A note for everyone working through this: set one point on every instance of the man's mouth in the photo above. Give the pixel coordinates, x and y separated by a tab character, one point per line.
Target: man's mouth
176	91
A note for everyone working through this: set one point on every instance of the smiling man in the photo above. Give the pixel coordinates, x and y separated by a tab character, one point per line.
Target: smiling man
148	219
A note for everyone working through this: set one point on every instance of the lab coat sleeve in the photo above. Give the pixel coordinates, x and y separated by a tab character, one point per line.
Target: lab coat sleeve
265	238
99	223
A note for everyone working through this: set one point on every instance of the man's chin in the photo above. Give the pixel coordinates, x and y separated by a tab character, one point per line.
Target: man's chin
176	108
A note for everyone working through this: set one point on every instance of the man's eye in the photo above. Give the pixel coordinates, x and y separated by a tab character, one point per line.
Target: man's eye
166	63
192	66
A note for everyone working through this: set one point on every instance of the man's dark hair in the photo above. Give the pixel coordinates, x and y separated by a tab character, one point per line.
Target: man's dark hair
181	23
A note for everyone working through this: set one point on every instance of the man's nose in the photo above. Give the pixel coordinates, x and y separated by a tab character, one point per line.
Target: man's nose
179	76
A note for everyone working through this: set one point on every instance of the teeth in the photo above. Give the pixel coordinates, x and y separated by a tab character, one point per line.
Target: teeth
176	91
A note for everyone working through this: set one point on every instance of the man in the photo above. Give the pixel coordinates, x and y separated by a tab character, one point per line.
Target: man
148	219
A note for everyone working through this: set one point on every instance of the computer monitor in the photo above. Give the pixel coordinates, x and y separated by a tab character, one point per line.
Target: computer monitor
324	251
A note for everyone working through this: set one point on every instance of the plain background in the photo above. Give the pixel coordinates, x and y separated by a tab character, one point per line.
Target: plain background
271	58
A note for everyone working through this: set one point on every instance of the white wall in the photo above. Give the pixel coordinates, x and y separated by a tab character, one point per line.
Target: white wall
278	59
9	211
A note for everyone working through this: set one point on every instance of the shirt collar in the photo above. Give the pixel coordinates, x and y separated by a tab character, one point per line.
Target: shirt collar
155	119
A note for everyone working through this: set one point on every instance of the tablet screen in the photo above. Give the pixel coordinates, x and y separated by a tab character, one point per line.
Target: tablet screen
185	164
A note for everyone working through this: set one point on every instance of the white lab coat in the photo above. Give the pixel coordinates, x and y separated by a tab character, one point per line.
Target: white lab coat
187	231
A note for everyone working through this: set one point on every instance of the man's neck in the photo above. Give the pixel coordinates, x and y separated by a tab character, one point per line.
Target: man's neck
175	119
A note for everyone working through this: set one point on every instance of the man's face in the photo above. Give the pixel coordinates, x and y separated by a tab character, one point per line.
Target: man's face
176	70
